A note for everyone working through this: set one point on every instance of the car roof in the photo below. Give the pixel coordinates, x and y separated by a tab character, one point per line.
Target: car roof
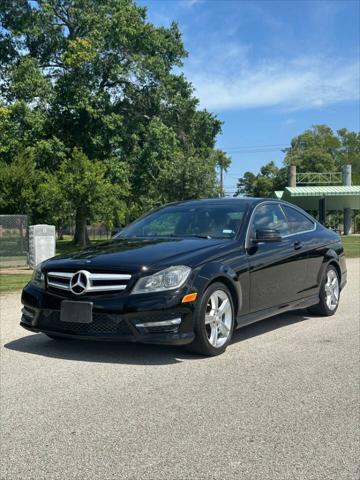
222	201
218	201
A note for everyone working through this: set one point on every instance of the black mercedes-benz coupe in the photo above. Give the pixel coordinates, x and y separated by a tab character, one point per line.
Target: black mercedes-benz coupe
189	273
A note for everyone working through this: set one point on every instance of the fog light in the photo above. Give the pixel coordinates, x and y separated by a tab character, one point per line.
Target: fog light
164	323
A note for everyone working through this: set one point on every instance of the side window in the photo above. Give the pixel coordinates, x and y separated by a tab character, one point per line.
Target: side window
297	221
269	216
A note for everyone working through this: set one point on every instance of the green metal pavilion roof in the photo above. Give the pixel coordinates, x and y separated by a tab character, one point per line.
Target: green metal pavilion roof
337	197
323	191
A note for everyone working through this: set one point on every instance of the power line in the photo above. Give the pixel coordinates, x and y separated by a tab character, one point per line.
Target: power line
259	150
258	146
245	150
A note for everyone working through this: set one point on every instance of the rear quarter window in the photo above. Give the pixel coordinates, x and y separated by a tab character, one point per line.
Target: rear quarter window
297	222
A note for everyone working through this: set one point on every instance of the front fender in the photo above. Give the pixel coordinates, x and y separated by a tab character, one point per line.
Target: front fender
234	280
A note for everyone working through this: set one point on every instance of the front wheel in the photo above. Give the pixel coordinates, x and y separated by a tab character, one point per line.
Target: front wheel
214	321
329	294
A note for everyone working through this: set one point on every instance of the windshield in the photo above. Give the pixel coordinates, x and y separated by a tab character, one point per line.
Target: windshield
208	221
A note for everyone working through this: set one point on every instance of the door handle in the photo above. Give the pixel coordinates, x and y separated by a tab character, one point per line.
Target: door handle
297	245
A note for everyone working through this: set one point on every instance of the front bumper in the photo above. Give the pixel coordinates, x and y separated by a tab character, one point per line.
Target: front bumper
150	318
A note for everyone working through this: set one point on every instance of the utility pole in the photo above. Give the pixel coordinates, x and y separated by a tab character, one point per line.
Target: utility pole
292	176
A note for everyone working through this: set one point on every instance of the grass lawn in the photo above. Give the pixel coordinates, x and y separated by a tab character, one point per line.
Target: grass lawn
11	282
351	245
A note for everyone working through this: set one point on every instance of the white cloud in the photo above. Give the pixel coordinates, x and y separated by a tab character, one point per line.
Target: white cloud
190	3
301	83
289	121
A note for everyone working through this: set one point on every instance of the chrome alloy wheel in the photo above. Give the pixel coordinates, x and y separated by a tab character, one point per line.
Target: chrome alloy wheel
218	318
332	289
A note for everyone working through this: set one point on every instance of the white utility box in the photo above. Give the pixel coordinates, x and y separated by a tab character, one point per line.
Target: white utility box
41	243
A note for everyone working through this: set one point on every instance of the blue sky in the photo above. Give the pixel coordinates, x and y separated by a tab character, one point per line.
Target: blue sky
268	69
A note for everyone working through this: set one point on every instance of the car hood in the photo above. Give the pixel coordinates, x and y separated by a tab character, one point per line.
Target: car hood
130	255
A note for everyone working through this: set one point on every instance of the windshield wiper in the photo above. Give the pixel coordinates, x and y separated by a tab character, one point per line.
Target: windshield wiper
170	235
208	237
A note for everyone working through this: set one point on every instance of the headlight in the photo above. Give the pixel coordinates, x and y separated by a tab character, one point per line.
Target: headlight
38	278
168	279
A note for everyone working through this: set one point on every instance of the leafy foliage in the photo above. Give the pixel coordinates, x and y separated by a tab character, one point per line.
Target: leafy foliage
349	152
263	184
96	79
19	183
84	188
321	150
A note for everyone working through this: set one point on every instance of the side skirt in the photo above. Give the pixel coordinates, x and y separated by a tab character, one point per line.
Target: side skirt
243	320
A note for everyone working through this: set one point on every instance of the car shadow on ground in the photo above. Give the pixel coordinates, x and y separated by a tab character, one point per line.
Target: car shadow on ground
136	353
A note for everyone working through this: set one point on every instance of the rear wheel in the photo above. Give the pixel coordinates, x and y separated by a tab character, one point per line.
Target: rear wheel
214	322
329	294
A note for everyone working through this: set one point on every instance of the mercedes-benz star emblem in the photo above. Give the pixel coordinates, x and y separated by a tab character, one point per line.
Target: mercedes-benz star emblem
79	282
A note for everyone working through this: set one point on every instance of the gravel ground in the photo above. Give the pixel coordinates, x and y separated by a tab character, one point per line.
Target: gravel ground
281	403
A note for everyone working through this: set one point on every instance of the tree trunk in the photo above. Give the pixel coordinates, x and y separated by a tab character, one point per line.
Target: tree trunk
81	237
127	213
59	229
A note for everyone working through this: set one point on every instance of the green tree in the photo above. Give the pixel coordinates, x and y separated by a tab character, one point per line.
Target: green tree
269	179
315	150
97	76
54	206
321	150
19	184
349	152
85	191
222	162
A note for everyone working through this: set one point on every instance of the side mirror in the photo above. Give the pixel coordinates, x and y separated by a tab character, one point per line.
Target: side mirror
267	235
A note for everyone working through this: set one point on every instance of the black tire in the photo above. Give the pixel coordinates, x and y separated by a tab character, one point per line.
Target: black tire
201	344
322	308
53	336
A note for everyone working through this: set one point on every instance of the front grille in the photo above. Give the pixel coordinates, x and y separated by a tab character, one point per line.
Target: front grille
102	324
82	281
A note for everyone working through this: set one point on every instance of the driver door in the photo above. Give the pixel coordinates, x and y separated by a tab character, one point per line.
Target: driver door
276	269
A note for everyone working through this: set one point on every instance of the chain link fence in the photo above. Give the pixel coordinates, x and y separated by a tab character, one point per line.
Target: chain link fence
95	232
14	240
